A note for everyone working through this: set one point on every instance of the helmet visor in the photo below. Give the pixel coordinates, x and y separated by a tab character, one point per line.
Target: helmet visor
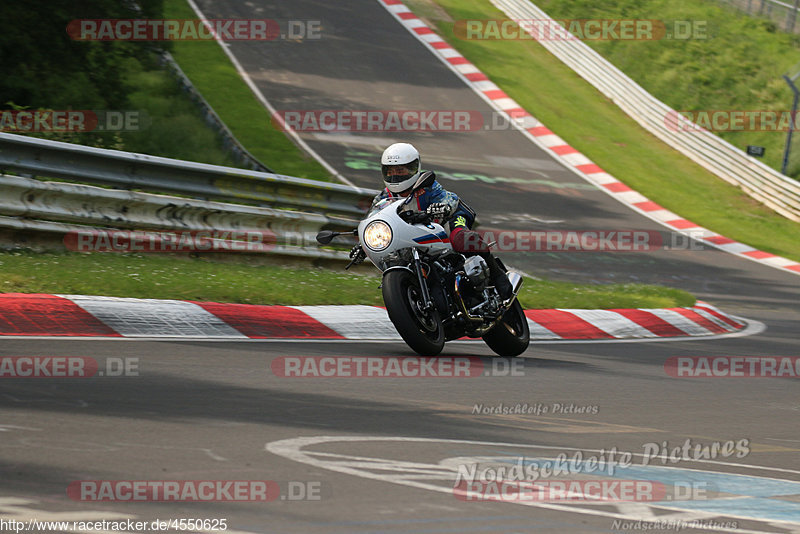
394	174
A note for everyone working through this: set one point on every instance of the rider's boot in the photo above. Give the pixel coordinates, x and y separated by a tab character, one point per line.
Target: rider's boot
498	276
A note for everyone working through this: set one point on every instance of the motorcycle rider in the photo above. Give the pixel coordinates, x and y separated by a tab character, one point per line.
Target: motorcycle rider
400	167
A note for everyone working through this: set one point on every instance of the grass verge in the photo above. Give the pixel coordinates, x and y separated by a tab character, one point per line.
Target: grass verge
213	74
587	120
174	127
183	278
735	62
168	124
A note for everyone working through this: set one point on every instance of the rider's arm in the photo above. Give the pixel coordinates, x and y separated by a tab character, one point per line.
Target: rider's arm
460	214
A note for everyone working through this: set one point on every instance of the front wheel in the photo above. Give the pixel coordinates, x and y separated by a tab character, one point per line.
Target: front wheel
421	329
511	336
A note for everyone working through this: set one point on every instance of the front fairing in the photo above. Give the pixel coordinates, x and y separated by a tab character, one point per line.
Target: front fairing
431	237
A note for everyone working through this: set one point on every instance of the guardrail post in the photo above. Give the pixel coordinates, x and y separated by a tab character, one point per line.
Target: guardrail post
794	16
788	147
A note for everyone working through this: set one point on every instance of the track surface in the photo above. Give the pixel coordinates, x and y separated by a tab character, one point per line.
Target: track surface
207	410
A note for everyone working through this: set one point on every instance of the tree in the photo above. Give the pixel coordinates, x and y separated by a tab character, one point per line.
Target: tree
44	68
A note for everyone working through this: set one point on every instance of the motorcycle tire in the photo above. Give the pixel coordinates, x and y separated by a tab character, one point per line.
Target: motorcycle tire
511	336
421	330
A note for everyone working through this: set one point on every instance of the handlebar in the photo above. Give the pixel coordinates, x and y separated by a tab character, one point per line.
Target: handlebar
415	217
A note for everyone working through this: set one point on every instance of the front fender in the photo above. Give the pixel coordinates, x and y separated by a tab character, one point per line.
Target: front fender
399	267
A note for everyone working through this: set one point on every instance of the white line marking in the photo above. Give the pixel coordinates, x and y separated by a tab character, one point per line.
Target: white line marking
680	322
291	449
353	322
541	332
155	318
612	323
273	112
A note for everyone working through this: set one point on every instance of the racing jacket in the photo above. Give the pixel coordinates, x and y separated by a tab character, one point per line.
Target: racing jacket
461	215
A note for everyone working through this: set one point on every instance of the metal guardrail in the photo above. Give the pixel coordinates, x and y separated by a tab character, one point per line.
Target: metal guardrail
783	14
703	147
61	208
96	166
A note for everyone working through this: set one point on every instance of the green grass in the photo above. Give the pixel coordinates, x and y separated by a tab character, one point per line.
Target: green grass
170	125
550	294
174	126
216	78
172	277
594	125
737	63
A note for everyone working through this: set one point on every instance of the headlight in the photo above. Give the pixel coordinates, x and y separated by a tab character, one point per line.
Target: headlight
377	235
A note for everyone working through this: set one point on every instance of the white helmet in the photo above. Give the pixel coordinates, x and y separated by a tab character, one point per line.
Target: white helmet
400	167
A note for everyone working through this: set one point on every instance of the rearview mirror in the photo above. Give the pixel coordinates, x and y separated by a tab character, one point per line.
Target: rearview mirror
326	236
426	179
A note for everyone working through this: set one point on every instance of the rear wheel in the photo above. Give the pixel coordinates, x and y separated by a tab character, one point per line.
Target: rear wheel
421	329
511	336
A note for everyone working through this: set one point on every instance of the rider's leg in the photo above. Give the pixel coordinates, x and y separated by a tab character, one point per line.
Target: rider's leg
497	275
469	242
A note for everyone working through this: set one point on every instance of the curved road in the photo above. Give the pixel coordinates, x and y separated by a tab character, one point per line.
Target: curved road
202	410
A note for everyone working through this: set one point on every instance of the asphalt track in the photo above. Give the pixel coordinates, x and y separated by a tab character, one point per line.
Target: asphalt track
203	410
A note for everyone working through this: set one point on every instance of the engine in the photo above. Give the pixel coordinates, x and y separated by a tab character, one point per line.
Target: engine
477	271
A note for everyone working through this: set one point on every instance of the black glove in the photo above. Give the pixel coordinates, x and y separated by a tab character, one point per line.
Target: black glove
440	210
357	254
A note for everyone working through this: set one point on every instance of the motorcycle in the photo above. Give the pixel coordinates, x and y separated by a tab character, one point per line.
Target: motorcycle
432	293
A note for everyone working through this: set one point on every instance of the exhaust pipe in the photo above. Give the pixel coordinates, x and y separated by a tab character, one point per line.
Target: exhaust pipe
516	282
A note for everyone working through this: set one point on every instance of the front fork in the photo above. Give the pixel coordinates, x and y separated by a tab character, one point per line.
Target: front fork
427	303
